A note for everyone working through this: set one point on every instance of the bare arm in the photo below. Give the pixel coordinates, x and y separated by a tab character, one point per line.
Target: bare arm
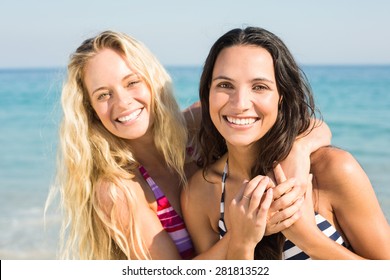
157	241
296	166
347	192
297	163
193	116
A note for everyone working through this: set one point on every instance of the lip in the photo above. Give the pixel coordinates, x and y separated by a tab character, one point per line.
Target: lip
129	116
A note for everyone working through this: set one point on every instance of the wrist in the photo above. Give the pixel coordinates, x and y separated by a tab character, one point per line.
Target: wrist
312	243
302	147
238	251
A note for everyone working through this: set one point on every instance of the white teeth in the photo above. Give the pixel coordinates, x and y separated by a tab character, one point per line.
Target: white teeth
130	117
241	121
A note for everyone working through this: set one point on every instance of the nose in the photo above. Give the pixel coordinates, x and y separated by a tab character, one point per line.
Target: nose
123	98
240	99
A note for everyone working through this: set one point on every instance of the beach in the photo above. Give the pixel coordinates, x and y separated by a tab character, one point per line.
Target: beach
353	100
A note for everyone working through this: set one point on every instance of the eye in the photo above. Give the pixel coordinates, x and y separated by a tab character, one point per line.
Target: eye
225	85
260	87
103	96
133	83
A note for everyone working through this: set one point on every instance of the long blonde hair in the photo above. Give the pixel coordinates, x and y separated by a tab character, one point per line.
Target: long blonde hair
89	154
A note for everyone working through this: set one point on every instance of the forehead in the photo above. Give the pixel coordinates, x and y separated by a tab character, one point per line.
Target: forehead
107	66
106	60
244	58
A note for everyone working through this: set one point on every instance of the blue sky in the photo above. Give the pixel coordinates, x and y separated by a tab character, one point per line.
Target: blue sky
42	33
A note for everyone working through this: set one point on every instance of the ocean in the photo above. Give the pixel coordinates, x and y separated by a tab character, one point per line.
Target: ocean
353	100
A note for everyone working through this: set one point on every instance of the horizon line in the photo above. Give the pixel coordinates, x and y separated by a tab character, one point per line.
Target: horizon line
10	68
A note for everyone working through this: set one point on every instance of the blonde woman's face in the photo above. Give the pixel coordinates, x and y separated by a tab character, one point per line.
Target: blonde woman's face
119	96
243	94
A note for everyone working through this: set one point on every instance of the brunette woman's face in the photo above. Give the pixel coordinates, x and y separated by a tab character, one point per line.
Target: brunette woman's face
243	94
119	96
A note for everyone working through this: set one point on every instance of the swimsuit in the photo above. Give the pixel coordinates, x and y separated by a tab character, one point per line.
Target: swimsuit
170	220
290	250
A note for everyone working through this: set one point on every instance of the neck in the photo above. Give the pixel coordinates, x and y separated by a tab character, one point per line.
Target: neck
241	161
146	153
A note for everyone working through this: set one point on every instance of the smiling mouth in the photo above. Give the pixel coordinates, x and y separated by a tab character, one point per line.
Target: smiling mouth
240	121
130	117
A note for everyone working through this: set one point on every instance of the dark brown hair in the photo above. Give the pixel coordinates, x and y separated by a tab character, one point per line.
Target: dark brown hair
294	113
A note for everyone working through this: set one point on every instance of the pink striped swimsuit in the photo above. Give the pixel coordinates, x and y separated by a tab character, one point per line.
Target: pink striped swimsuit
170	220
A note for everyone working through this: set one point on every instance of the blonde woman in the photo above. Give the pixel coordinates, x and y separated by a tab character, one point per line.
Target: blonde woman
123	143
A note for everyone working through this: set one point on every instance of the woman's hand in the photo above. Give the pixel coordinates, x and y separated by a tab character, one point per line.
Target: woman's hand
297	163
287	201
248	217
306	223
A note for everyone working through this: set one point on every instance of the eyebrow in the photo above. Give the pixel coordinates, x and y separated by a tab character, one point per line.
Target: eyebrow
98	89
261	79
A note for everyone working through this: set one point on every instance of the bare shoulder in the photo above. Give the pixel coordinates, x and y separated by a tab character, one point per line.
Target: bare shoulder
203	189
333	167
335	161
201	184
108	194
104	195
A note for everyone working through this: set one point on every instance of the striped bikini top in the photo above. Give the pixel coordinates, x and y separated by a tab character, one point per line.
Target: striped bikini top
170	220
290	250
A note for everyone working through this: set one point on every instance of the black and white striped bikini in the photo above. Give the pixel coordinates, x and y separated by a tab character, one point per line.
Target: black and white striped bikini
290	250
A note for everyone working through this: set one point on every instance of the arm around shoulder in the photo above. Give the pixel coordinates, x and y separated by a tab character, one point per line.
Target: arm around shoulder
297	163
318	135
353	202
193	116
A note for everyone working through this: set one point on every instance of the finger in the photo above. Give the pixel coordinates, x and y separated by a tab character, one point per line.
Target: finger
284	188
271	175
286	213
287	222
258	193
265	205
262	212
271	183
280	177
250	187
287	198
310	183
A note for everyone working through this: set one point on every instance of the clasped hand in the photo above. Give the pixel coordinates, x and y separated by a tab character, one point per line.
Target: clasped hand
263	207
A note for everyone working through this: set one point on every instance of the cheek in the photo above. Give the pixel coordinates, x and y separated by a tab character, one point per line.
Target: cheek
273	109
270	104
100	111
215	104
145	93
268	107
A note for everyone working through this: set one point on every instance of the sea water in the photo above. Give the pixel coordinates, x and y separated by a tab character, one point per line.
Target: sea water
353	100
